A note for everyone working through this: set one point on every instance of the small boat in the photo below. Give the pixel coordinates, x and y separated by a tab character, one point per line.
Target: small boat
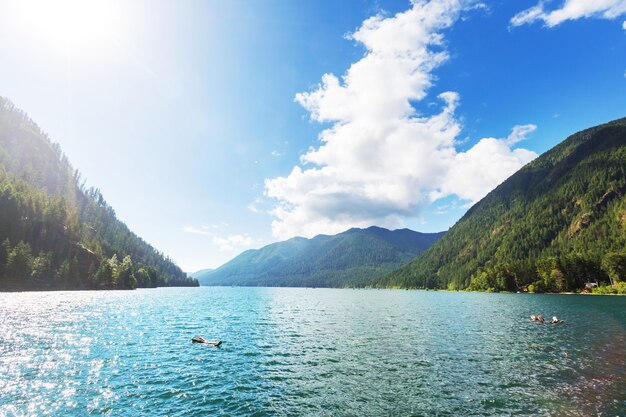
201	339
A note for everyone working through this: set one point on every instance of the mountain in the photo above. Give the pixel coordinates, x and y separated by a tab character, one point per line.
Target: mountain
57	234
350	258
556	223
199	273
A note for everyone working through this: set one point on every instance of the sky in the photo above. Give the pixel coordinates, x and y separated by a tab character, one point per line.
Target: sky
214	127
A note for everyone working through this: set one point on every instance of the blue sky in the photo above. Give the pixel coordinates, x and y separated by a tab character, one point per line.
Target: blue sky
191	116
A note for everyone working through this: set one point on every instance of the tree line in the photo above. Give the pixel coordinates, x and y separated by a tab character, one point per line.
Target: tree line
555	224
554	274
57	234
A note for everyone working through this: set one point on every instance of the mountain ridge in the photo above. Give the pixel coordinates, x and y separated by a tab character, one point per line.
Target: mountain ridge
349	258
55	233
549	225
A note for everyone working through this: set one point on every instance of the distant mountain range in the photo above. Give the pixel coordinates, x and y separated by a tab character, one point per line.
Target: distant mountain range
199	273
556	223
351	258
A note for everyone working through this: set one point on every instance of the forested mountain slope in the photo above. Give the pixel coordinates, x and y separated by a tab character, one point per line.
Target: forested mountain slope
347	259
556	223
199	273
55	233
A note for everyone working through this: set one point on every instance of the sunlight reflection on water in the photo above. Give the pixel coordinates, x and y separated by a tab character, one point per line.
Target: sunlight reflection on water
309	352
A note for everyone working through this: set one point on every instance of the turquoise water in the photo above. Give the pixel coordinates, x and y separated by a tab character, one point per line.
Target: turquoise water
317	352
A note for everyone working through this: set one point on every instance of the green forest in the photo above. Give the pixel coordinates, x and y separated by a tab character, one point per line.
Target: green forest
556	224
348	259
56	234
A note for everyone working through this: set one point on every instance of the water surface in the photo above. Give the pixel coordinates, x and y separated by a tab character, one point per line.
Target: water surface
317	352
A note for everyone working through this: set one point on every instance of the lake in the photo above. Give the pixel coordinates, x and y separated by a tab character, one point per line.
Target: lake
318	352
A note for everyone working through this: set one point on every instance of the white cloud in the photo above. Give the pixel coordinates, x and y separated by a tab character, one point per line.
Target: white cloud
624	25
197	230
571	10
479	170
204	230
254	206
381	162
233	242
277	153
519	133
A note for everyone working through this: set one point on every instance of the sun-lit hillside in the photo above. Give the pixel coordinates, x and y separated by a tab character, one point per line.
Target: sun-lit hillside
57	234
552	224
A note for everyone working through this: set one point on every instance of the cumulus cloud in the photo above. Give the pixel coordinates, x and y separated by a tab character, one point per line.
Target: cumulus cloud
233	242
380	161
571	10
474	173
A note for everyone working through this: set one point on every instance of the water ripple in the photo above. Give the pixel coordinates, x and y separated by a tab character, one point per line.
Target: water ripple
320	352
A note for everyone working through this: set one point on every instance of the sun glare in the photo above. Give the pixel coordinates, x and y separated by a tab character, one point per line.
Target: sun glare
70	23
